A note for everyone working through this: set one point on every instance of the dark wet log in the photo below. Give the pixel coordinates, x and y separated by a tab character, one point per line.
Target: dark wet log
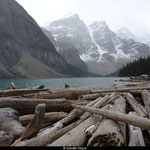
135	135
146	99
35	125
43	138
125	118
16	92
109	132
38	87
6	138
120	90
9	121
134	104
27	106
49	118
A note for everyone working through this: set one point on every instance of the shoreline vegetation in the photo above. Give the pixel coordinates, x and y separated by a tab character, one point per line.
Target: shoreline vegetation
100	116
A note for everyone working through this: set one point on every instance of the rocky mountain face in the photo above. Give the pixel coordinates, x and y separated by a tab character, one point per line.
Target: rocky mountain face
25	51
68	51
103	50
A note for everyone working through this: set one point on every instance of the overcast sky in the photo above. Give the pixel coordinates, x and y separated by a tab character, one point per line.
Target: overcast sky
132	14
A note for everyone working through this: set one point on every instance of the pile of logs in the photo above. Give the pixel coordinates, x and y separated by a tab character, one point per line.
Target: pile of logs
115	116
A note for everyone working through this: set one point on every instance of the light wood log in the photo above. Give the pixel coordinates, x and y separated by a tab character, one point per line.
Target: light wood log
27	106
146	99
120	90
77	136
13	86
9	121
49	117
134	104
16	92
125	118
89	96
135	135
35	125
43	138
109	132
6	138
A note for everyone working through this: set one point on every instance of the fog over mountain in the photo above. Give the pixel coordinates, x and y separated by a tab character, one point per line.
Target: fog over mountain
103	50
132	14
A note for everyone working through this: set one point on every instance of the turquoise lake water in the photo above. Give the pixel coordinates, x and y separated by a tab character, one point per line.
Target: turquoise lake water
60	82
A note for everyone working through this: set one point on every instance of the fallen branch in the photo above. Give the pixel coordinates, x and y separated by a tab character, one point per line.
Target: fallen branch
125	118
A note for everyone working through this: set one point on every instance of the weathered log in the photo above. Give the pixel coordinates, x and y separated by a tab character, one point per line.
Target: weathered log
100	102
9	121
27	106
146	99
135	135
89	96
120	90
77	136
134	104
109	132
16	92
6	138
49	117
35	125
43	138
125	118
66	93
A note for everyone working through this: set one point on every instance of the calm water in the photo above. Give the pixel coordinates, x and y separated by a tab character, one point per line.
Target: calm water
59	83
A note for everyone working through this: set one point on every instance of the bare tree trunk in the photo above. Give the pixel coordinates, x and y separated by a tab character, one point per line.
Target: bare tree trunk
134	104
16	92
125	118
49	117
146	99
35	125
120	90
135	135
27	106
109	132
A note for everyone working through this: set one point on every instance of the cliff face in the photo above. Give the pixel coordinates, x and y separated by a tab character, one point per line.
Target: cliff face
25	51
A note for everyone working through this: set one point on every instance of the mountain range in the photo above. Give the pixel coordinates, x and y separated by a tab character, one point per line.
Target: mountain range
64	48
103	50
25	51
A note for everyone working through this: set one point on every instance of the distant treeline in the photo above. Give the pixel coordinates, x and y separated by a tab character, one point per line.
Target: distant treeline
136	68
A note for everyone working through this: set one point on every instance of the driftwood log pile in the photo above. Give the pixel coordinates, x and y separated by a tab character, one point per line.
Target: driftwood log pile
113	116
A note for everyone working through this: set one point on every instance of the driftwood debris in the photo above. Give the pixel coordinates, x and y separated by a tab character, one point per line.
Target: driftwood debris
135	135
27	106
120	90
13	86
125	118
16	92
146	99
109	132
51	117
38	87
77	136
134	104
9	121
35	125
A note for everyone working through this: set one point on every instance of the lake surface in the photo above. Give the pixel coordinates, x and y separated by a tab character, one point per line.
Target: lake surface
60	82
